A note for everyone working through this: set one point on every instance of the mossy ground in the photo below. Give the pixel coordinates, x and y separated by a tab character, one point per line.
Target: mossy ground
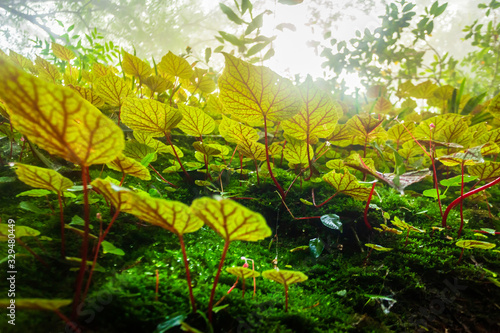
345	292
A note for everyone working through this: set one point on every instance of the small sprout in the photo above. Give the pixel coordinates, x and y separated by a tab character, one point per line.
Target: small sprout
405	226
385	228
473	244
477	234
375	247
285	278
243	273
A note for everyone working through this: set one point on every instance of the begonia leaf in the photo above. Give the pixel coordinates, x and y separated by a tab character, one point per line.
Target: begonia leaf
252	93
134	66
112	89
58	120
42	178
37	303
317	117
149	116
233	131
113	193
129	166
174	216
47	71
174	65
284	277
347	184
485	171
231	220
62	52
195	121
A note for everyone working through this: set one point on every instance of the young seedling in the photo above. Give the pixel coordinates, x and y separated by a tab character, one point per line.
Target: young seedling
375	247
405	226
473	244
232	222
173	216
286	278
243	273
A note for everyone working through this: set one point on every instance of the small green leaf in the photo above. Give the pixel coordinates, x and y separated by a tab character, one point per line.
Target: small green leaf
107	247
431	193
332	221
34	193
317	246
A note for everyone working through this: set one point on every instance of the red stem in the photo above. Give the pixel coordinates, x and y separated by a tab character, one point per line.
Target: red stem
96	254
61	216
461	202
257	171
159	175
280	189
23	244
178	159
468	194
85	245
286	296
188	275
157	285
368	225
323	203
212	294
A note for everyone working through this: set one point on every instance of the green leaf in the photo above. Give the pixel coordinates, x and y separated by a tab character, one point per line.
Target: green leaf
148	159
485	171
37	303
457	180
20	231
231	220
113	193
42	178
378	247
47	71
170	323
318	116
58	120
256	49
138	151
31	207
296	151
284	277
195	121
130	166
175	66
233	131
251	92
306	202
150	116
113	89
474	244
62	52
317	246
134	66
242	272
255	24
230	14
332	221
174	216
107	247
347	184
34	193
432	193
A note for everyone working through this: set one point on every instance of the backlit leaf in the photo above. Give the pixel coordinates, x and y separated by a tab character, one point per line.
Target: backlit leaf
382	106
233	131
37	303
157	145
423	90
399	134
100	70
284	277
253	92
423	130
347	184
175	65
62	52
200	81
296	152
341	136
174	216
317	117
113	89
20	231
20	60
335	164
242	272
490	136
134	66
158	84
378	247
58	119
364	128
195	122
468	157
89	95
485	171
129	166
150	116
46	70
42	178
231	220
205	149
456	132
137	150
494	106
113	193
474	244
